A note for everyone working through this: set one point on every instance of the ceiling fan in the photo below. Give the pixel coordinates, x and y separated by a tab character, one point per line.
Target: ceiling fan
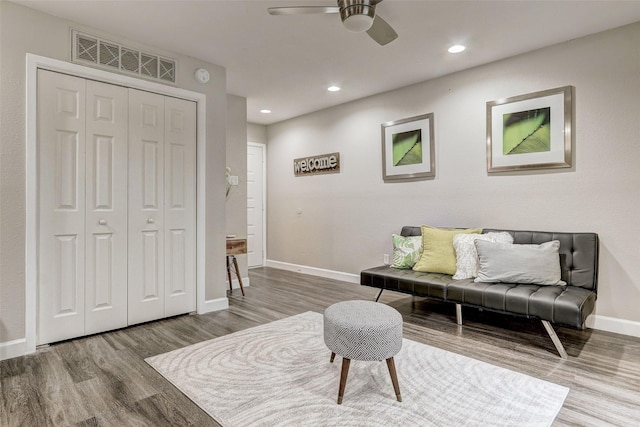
357	16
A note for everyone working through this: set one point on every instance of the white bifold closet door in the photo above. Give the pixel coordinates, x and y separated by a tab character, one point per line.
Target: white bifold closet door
161	206
106	208
116	183
82	135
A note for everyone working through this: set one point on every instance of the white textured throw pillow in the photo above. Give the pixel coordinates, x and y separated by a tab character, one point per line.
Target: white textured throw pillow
467	255
529	264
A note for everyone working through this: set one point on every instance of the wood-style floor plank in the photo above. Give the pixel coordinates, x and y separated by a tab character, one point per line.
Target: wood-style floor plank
103	380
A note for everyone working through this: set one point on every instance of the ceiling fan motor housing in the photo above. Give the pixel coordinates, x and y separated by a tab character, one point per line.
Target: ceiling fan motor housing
357	15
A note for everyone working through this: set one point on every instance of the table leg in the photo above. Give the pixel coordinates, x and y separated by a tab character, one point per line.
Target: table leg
229	273
235	264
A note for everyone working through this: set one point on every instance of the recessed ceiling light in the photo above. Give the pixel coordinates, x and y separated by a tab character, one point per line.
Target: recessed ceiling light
265	111
457	48
333	88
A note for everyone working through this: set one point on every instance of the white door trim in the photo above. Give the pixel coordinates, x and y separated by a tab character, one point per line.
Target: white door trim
263	147
33	63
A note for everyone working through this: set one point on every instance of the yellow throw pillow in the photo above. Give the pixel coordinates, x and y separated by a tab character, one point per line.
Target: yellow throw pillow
438	254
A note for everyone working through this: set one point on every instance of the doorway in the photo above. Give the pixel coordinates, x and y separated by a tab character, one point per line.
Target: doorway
256	211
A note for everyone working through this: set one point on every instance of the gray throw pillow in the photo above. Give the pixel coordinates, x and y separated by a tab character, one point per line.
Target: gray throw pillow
513	263
466	254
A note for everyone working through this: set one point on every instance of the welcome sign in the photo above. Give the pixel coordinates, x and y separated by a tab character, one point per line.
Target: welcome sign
315	165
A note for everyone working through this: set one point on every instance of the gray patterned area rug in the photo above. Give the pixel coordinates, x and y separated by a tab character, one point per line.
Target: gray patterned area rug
279	374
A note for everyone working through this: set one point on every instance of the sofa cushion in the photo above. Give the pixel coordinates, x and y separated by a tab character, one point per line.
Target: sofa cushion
563	305
467	255
406	250
511	263
438	255
432	285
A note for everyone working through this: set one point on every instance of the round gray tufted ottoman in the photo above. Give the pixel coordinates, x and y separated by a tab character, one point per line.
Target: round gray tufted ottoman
363	330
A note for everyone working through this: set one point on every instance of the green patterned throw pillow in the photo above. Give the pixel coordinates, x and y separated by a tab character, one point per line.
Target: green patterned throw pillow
406	250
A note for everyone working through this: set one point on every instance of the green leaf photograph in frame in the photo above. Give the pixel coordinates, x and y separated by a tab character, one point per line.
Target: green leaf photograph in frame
526	131
408	151
407	147
532	131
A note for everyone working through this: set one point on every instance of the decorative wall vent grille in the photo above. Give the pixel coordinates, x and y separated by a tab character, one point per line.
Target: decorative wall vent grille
105	54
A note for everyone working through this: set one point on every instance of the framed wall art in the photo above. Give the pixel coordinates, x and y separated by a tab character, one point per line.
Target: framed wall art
532	131
408	151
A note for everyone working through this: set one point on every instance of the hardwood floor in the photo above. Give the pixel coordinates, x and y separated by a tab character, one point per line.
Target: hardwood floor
102	380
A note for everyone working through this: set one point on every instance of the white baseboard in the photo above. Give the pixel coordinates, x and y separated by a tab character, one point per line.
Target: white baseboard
16	348
612	324
223	303
11	349
214	305
602	323
236	285
329	274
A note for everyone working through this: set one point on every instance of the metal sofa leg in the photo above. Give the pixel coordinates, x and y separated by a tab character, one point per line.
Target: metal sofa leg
380	293
555	339
459	314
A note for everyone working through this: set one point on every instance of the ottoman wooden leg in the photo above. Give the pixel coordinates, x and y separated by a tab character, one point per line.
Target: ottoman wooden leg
333	356
394	377
343	378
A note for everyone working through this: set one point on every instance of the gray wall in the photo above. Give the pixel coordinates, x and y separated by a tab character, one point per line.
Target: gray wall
23	31
237	161
347	218
256	133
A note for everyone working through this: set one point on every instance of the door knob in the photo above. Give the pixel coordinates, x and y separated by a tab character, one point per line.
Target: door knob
102	222
150	220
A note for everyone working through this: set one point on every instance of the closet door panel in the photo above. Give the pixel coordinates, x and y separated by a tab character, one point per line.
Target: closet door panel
146	206
179	206
106	207
61	184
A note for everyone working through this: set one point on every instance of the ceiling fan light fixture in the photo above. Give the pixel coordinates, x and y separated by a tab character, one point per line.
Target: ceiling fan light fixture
358	23
357	15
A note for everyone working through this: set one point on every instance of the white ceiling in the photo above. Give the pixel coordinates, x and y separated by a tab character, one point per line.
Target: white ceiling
285	63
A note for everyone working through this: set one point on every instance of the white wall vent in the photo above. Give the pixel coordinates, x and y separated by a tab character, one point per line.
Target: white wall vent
87	49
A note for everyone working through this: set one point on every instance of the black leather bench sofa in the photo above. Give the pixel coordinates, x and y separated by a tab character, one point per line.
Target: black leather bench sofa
568	306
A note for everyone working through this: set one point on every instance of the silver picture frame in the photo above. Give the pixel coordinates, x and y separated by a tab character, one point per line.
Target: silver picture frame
408	149
532	131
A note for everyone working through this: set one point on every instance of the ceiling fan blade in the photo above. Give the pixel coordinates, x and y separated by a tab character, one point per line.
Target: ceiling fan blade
381	31
300	10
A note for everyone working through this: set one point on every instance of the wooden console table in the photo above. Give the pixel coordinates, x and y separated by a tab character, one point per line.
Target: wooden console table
235	247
